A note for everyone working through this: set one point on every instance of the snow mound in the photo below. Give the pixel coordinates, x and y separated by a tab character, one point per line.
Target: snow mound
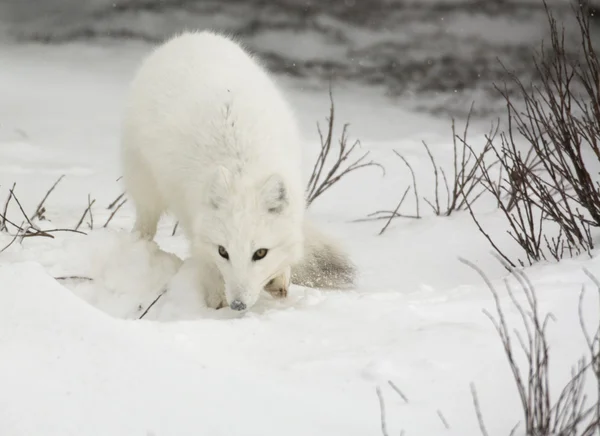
73	370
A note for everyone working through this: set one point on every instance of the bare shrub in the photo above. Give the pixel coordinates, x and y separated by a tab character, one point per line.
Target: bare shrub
567	415
515	200
466	186
321	178
560	123
464	189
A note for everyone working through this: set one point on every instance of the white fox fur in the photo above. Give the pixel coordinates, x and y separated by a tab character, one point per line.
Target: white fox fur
208	136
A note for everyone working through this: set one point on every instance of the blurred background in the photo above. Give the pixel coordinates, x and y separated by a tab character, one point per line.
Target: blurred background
441	54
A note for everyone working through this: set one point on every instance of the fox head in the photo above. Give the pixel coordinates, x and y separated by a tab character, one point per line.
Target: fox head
251	230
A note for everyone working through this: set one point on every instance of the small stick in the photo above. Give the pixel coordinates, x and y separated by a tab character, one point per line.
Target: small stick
115	201
3	226
413	179
39	207
395	212
398	391
73	278
32	231
12	241
47	232
439	412
164	291
382	409
175	228
372	217
91	224
38	232
85	212
478	411
114	212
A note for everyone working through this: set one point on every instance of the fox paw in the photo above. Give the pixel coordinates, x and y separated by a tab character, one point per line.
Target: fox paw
277	287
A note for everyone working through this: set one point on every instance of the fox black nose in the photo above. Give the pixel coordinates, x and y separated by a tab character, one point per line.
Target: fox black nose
237	305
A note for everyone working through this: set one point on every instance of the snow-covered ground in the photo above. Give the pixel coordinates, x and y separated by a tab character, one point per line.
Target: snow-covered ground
75	359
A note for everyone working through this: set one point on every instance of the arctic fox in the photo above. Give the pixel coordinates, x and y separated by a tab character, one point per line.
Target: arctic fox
208	136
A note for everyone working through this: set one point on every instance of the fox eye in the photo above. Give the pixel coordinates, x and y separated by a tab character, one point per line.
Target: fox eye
259	254
223	253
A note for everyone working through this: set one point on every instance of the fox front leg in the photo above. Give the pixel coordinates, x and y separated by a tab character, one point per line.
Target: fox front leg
210	284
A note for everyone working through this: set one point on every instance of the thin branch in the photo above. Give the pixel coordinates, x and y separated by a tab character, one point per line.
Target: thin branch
114	212
4	214
384	430
39	209
398	391
163	292
74	278
85	212
395	212
439	413
477	407
412	173
115	201
320	180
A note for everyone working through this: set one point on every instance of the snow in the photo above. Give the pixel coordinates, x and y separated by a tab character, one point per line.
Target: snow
75	359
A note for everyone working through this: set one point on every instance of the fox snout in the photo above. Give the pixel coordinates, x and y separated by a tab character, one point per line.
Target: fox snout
238	305
240	298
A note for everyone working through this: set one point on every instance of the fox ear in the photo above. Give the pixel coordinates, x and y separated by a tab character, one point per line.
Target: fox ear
218	187
274	194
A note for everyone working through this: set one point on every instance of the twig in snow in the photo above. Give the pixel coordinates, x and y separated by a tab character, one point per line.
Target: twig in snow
436	207
85	212
40	209
379	216
439	413
478	411
32	230
12	240
74	278
47	232
163	292
91	223
395	212
115	201
3	225
114	212
175	228
382	410
37	232
398	391
412	173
